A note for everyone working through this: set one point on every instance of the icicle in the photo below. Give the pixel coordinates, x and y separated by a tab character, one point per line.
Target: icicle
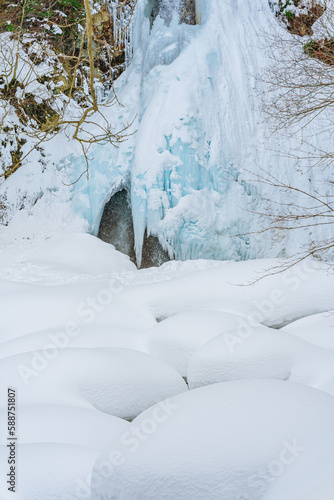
114	8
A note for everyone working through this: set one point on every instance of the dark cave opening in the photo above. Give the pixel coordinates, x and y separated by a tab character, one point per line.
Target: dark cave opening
116	227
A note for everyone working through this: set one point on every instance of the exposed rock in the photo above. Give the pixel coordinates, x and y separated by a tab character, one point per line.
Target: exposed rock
116	227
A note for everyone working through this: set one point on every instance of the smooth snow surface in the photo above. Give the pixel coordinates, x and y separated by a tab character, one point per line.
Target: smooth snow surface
120	382
79	254
175	339
208	446
85	336
87	346
317	329
50	471
238	288
66	425
261	352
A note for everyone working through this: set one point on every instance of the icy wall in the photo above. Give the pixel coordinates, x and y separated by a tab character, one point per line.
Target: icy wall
190	92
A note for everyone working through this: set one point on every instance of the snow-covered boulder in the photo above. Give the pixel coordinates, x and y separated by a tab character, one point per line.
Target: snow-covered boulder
65	425
49	471
234	287
261	352
249	439
121	382
258	289
78	254
87	336
317	329
176	339
28	307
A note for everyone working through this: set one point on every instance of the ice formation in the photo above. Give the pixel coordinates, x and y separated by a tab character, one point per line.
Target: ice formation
191	91
190	94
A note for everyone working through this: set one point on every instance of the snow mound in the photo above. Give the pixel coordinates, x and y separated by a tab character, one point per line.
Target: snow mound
88	336
69	307
234	287
120	382
261	352
66	425
49	471
176	339
249	439
260	290
79	254
317	329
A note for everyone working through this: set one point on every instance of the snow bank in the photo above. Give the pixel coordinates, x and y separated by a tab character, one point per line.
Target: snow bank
261	352
175	339
235	287
68	307
65	425
49	471
245	439
79	254
317	329
120	382
238	287
88	336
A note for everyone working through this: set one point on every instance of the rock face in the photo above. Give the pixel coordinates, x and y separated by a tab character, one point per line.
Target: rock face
116	227
298	17
166	8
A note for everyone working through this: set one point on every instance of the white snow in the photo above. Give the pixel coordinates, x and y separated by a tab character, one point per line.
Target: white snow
89	341
78	254
236	287
87	336
65	425
67	307
175	339
246	439
120	382
49	471
71	334
317	329
261	352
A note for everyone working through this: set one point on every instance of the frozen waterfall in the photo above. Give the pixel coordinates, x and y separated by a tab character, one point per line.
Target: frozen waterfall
190	91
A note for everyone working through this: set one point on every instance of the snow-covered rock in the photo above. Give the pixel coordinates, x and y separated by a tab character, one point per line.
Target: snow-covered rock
254	439
121	382
49	471
261	352
78	254
258	289
317	329
87	336
29	307
175	339
65	425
